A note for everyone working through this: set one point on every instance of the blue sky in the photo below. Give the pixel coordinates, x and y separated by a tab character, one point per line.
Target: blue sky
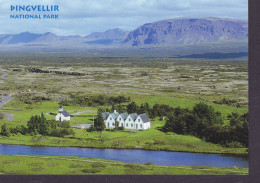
82	17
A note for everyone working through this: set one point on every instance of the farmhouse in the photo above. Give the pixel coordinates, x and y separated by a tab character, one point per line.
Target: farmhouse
111	119
63	115
121	119
130	121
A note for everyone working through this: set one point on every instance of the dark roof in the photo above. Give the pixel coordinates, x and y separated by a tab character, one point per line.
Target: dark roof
65	113
133	116
60	105
144	118
105	115
124	115
114	115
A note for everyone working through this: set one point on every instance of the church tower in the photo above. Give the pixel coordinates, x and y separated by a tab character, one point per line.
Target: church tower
61	108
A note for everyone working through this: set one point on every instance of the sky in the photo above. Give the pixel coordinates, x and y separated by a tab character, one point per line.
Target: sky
82	17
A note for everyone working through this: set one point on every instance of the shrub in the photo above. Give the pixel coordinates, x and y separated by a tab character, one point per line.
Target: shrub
5	130
233	144
150	163
91	128
157	142
91	170
98	165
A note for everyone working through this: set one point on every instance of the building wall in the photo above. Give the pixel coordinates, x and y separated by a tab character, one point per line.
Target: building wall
62	117
138	124
121	121
141	125
110	122
129	123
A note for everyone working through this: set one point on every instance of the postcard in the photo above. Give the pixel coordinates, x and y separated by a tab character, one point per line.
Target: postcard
107	87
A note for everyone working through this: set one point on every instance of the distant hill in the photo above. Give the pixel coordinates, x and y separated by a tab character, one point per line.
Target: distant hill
194	34
188	31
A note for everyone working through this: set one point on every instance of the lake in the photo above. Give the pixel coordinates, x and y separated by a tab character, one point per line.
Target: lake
131	155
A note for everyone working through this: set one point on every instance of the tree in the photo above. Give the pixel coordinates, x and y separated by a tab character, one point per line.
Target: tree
132	108
99	123
5	131
116	125
175	124
44	128
205	112
32	125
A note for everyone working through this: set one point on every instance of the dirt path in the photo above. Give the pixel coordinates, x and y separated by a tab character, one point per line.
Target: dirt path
80	112
5	100
84	160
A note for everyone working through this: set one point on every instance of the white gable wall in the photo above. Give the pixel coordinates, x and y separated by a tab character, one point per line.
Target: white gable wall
110	122
61	117
121	121
139	124
129	123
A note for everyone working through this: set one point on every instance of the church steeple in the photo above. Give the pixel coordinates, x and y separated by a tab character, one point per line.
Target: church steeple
61	108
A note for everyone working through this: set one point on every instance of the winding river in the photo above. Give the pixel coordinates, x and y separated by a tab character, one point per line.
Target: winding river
131	156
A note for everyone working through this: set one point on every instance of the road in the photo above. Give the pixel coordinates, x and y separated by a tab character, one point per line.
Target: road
5	100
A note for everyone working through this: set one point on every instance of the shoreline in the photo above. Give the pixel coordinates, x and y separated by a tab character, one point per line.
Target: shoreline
143	149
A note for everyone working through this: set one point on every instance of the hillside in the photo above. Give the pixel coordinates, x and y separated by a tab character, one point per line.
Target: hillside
188	31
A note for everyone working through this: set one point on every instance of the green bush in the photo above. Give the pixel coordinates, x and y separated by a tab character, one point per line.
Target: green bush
91	170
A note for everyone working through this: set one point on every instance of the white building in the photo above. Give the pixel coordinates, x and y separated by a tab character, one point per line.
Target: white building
128	121
121	119
142	122
63	115
111	119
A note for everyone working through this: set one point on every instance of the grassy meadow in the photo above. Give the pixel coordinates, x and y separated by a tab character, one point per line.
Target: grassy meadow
19	164
174	82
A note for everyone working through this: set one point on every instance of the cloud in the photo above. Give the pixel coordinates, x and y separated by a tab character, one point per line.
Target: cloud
86	16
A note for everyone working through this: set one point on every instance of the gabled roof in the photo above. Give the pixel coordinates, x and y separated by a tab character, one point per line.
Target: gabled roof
144	118
124	115
115	115
133	116
65	113
105	115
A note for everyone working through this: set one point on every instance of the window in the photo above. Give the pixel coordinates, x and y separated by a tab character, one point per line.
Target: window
129	119
138	120
121	124
113	124
120	119
127	124
132	125
141	126
110	118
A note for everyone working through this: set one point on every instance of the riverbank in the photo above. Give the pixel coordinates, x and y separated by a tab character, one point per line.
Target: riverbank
127	140
23	164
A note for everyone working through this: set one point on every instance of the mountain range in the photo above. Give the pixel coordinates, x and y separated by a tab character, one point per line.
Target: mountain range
181	31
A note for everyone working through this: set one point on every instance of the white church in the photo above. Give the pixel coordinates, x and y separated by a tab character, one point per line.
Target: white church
63	115
129	121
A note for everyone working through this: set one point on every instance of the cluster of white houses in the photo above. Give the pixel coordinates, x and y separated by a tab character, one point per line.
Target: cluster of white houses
128	121
131	121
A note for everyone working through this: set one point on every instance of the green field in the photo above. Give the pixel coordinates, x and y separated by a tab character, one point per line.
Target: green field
18	164
174	82
152	139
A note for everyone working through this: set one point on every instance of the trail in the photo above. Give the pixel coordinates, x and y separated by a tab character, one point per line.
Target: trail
80	112
5	100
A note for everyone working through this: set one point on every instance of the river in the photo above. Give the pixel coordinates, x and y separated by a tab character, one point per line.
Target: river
131	156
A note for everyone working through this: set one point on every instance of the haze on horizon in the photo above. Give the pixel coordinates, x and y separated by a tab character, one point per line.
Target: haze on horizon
82	17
